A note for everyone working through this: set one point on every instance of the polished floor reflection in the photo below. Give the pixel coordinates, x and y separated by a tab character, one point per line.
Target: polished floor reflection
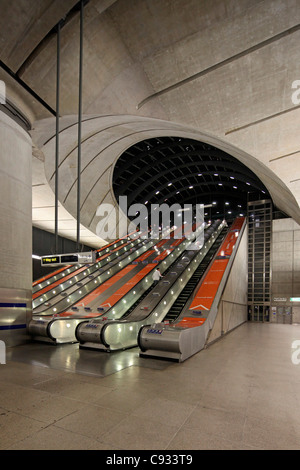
72	358
243	392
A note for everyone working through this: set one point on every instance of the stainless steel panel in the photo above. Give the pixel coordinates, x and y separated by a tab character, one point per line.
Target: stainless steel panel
63	330
158	336
49	329
89	331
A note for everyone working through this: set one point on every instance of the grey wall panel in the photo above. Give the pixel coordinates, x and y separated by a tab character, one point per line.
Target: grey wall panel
15	230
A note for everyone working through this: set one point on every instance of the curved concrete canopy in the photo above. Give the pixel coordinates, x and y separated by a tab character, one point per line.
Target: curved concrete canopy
104	139
222	68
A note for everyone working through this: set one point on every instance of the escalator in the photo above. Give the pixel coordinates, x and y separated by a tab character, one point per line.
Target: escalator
44	325
47	282
77	276
187	334
100	293
147	292
110	335
185	294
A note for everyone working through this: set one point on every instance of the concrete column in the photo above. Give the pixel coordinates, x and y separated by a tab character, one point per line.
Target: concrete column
15	231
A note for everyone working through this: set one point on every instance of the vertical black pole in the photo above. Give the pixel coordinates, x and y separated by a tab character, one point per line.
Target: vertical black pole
57	135
79	125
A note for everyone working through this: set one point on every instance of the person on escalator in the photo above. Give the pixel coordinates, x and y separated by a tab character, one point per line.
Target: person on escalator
156	276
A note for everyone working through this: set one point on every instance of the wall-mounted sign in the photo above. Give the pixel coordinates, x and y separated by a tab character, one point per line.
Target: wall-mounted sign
69	258
295	299
279	299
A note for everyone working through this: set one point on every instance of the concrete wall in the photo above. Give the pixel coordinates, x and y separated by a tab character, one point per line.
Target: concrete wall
232	310
285	268
15	231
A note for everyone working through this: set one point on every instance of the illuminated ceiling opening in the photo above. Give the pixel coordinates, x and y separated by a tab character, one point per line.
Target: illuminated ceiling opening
178	170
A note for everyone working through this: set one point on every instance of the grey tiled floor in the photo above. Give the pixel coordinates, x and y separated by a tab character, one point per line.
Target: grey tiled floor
243	392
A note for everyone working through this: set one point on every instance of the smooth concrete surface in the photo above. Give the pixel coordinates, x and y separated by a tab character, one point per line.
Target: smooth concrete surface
285	270
224	68
242	392
15	230
15	206
285	261
43	207
104	139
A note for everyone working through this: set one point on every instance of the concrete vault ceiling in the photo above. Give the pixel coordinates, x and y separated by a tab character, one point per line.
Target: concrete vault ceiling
220	73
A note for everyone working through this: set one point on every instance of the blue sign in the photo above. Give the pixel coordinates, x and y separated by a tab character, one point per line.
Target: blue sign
152	330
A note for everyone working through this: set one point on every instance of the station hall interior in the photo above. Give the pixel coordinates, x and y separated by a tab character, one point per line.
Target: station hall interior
115	117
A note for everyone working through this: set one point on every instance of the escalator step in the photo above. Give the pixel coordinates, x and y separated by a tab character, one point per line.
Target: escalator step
183	297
